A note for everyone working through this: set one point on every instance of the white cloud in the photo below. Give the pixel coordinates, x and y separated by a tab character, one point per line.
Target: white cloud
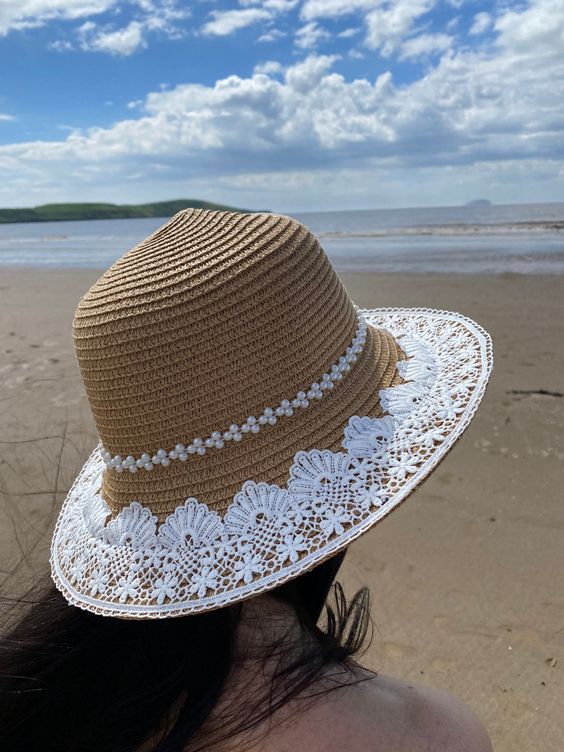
5	118
346	33
389	26
425	44
152	16
493	112
482	22
123	41
308	36
539	27
271	35
270	67
21	14
316	9
226	22
278	6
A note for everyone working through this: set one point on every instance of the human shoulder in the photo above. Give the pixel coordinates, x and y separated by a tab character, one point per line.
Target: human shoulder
380	714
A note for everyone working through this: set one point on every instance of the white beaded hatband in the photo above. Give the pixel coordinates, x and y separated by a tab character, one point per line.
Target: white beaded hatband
269	416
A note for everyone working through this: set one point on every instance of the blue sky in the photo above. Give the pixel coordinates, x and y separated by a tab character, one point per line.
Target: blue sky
286	104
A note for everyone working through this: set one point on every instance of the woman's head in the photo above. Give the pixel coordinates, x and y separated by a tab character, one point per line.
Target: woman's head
71	680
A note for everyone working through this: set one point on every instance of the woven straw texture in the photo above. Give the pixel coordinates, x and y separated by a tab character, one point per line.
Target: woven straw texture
214	317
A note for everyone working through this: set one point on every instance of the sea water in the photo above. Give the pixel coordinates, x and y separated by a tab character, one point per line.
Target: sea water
524	238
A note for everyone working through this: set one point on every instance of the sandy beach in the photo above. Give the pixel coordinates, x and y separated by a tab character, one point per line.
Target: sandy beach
466	576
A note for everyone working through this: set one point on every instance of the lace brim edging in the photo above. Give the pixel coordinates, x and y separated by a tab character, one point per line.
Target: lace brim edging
196	561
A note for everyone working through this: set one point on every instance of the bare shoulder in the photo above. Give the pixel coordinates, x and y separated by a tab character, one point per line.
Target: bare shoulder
381	714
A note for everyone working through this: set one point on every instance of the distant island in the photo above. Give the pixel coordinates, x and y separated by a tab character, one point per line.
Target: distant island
479	202
68	212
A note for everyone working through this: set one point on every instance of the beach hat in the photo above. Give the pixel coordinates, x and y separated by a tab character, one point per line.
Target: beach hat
252	420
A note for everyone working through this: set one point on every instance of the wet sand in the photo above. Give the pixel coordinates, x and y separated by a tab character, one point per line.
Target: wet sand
466	577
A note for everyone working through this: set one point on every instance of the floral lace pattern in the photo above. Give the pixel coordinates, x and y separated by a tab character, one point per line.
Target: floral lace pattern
130	567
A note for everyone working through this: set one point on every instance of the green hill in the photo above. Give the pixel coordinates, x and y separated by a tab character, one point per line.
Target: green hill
65	212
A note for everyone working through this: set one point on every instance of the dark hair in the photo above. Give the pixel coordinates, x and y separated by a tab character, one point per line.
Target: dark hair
72	681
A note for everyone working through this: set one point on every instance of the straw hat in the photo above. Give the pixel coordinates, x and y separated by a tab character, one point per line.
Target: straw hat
252	420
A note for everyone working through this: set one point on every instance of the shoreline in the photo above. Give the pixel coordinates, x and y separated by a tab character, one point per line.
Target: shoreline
463	591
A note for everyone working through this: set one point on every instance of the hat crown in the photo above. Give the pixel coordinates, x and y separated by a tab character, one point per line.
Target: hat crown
211	319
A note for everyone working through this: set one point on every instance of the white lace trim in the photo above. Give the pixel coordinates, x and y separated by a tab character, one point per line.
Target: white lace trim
197	561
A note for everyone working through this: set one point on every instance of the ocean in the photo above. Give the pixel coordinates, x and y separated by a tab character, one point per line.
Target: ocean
520	238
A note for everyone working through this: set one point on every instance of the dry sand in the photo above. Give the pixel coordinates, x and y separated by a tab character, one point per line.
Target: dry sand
467	577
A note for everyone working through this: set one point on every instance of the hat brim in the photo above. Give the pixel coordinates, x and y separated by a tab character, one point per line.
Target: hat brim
196	561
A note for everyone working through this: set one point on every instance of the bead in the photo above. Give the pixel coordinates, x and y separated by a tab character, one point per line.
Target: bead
269	415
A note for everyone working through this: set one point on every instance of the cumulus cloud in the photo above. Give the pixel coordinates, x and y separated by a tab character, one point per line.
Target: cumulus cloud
271	35
123	41
270	67
21	14
316	9
310	35
387	27
482	22
489	111
225	22
425	44
152	16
